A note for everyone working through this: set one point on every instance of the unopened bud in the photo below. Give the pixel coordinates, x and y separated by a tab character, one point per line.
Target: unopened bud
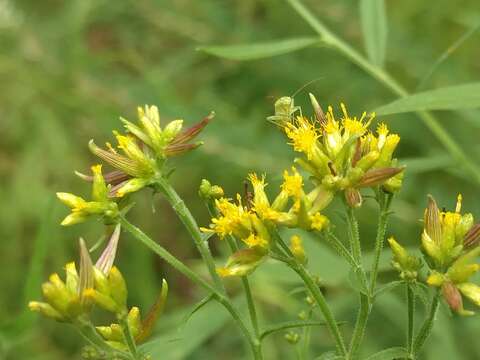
472	237
292	337
353	197
452	296
208	191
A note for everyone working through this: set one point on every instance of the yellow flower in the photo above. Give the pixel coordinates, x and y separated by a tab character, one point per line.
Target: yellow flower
303	135
81	209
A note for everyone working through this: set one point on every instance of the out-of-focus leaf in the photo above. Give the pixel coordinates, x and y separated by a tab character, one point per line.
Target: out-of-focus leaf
389	354
201	327
464	96
260	50
374	27
330	355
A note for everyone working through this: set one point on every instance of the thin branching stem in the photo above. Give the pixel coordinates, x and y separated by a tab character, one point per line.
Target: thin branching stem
384	200
194	277
128	337
410	315
317	295
188	220
427	326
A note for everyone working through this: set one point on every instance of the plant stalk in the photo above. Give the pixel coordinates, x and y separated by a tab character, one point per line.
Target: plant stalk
385	201
317	295
410	316
182	268
188	220
427	326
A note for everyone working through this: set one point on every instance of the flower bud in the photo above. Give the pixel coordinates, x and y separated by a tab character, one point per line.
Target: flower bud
242	263
353	197
453	297
297	249
408	265
472	237
292	337
208	191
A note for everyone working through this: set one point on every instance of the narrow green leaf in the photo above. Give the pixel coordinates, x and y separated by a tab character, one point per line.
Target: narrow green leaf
374	27
260	50
389	354
388	287
289	325
464	96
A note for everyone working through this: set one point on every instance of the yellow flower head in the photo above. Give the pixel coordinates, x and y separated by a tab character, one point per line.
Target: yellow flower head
303	135
292	184
234	219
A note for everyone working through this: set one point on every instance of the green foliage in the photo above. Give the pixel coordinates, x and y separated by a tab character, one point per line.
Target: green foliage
69	68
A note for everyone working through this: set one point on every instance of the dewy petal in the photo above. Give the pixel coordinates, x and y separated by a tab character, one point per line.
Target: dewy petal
432	220
117	161
189	133
105	261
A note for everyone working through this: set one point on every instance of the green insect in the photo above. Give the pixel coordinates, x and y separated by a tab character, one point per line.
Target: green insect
284	110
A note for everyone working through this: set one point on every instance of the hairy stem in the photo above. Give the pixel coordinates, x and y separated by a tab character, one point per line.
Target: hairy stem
317	295
385	201
427	326
332	40
365	299
188	220
182	268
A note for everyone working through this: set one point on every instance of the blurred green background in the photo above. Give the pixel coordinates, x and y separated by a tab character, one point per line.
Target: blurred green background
69	69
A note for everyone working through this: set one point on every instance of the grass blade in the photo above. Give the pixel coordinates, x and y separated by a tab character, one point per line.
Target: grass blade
464	96
260	50
374	27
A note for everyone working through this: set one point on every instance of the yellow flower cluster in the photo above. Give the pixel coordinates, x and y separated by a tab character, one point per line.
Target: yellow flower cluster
343	155
450	245
251	219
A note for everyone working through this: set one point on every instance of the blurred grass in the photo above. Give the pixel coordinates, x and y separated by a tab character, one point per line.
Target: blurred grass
70	68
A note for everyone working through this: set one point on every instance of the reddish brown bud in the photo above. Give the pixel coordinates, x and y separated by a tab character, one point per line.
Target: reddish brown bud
472	237
358	152
378	176
191	132
452	296
353	197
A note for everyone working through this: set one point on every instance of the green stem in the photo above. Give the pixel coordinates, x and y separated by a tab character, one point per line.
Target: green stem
365	300
385	201
188	220
182	268
383	77
360	325
233	245
317	295
128	337
340	248
353	235
410	316
427	326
